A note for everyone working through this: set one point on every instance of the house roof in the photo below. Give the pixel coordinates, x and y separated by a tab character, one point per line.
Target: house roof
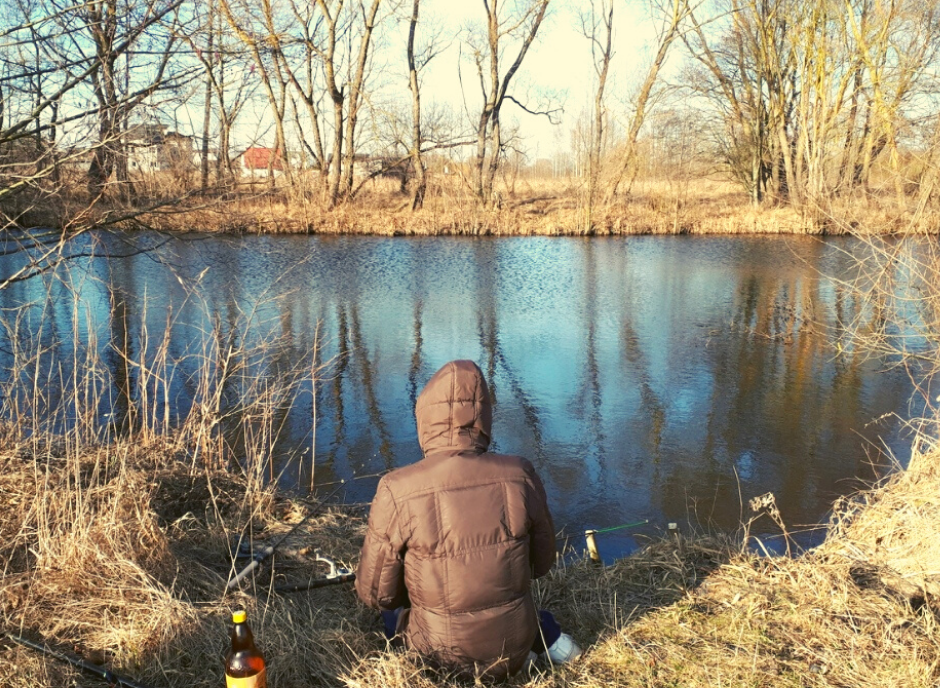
258	158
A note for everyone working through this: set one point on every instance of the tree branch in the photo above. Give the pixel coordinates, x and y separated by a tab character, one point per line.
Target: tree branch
547	113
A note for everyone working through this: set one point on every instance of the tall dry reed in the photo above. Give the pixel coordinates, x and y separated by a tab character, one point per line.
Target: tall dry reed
116	527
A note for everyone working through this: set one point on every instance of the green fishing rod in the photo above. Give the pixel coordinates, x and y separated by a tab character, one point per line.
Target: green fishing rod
112	679
597	531
589	534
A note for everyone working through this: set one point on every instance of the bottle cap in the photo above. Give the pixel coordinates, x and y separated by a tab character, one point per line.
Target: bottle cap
240	616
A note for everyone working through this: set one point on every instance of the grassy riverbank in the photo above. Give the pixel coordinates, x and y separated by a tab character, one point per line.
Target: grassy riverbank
545	207
122	553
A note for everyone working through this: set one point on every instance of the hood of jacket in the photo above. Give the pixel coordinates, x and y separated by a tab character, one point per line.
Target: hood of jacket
453	411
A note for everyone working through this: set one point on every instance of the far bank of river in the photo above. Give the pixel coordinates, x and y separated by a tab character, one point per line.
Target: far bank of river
652	210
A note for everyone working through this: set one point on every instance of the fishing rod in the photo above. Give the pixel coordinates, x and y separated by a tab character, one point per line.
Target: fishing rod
589	534
568	536
356	477
315	583
264	554
339	575
109	677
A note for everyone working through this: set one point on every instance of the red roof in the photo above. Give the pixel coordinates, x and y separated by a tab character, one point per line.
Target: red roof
259	159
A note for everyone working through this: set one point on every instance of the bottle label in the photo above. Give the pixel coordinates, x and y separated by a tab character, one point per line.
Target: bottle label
259	680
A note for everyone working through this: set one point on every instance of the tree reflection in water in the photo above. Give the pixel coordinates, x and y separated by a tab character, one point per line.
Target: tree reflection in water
659	378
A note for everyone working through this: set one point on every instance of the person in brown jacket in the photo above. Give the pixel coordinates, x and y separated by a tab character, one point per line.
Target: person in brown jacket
455	539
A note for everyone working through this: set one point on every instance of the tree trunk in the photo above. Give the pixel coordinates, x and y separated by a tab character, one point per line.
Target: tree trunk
480	158
602	67
680	10
207	110
421	181
355	98
850	148
488	127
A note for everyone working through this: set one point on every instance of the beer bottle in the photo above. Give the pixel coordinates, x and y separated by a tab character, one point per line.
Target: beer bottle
244	664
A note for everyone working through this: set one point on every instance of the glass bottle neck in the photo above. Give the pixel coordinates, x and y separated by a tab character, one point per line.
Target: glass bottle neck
242	638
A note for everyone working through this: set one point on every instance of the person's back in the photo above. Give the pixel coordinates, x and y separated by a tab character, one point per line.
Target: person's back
458	536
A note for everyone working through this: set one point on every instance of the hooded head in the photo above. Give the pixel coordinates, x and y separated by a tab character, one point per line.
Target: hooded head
453	409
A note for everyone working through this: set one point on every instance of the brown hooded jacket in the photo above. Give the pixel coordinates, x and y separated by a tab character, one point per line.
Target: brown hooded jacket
458	536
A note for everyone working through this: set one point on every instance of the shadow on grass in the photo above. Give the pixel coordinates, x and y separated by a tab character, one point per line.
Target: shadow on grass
590	600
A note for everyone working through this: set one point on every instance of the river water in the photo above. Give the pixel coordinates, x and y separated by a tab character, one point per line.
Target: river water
670	379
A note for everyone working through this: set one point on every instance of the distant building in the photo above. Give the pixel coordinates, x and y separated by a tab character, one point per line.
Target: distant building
256	161
151	148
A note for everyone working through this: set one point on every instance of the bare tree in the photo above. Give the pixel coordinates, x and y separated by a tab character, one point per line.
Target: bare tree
520	24
304	80
897	43
356	93
225	62
209	62
927	187
90	44
115	27
674	13
257	28
598	27
812	94
418	59
421	180
355	25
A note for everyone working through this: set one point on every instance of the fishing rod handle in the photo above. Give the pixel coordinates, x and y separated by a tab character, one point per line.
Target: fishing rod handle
269	550
254	564
102	673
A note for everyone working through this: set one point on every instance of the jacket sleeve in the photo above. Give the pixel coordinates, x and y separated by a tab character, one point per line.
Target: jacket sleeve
380	580
542	553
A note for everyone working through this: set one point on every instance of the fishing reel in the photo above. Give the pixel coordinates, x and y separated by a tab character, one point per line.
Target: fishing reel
335	571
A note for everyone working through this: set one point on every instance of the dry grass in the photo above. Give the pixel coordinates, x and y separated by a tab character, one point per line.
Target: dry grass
527	206
862	610
122	553
546	207
683	204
